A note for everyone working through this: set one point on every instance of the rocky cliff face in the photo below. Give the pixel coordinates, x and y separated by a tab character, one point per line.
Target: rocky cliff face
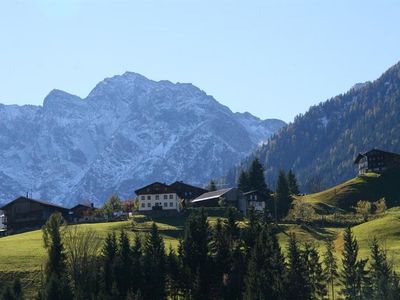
128	132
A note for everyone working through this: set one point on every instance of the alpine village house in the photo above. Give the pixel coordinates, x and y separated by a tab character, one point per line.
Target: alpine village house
160	196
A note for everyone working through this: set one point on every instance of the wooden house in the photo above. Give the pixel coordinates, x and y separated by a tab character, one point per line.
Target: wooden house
255	199
26	213
377	161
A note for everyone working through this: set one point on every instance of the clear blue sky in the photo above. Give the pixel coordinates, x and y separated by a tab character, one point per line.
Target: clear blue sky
271	58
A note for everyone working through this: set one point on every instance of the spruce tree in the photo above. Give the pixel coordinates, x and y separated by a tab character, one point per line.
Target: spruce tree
173	274
136	272
244	182
265	277
154	266
194	252
292	183
381	272
298	286
316	276
257	178
55	249
282	196
109	253
231	225
330	270
123	265
349	275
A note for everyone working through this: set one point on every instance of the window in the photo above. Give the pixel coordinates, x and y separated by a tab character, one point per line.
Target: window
142	198
157	197
143	205
165	204
171	204
171	196
148	204
148	197
165	197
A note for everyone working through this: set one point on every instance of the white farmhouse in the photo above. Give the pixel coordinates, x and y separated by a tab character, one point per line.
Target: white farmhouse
157	196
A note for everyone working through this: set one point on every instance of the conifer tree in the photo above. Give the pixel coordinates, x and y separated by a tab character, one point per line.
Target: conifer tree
265	277
256	178
123	265
292	183
244	182
195	255
349	275
316	276
330	270
381	272
153	285
57	285
109	253
231	225
282	196
136	272
55	249
298	286
173	274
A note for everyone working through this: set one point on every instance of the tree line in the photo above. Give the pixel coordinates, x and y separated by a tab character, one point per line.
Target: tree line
219	261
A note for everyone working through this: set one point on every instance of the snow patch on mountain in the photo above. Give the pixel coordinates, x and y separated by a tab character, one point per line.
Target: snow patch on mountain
129	131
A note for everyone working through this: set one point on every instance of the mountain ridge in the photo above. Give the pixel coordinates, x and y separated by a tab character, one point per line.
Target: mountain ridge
321	144
127	132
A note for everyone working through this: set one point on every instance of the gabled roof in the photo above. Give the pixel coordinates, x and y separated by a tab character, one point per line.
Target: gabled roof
45	203
155	188
212	195
372	151
181	184
84	205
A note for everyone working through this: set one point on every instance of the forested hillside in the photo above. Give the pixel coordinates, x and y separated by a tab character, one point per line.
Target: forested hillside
320	145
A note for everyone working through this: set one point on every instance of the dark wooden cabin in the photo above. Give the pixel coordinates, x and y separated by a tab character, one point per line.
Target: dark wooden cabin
26	213
377	161
80	211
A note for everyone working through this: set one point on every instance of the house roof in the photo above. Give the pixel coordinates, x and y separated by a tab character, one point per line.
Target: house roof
155	188
178	184
34	200
212	195
84	205
361	155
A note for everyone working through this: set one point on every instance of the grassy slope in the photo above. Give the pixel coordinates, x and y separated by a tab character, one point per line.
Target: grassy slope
23	254
346	195
385	229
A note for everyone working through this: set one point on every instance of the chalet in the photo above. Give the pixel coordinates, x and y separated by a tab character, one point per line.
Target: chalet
376	161
24	213
255	199
230	195
158	196
82	212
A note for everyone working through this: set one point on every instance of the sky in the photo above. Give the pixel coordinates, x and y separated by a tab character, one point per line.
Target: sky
273	59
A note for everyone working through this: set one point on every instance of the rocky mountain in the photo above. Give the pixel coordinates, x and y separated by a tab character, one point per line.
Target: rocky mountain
128	132
320	145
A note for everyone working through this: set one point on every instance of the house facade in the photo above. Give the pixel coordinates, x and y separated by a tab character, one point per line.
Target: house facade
156	197
377	161
82	213
255	199
2	219
26	213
